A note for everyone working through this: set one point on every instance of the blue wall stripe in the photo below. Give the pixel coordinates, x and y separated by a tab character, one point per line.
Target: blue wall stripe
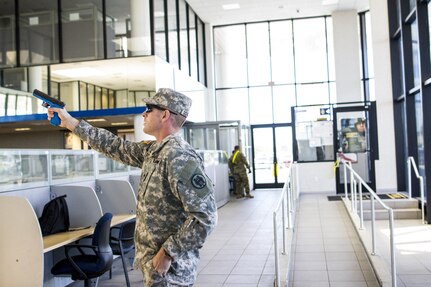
76	114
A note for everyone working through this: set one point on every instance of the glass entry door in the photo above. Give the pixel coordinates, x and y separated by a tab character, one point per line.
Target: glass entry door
271	154
355	142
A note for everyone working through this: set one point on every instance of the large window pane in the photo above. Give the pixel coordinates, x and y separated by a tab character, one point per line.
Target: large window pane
260	105
201	52
82	26
232	105
284	99
282	52
38	32
82	96
370	62
429	26
310	50
11	105
330	44
117	34
23	105
184	43
192	42
159	28
7	34
258	54
2	104
415	53
15	79
230	56
173	33
312	94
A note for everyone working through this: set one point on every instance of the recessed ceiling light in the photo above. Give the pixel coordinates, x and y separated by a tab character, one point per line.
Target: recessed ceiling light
22	129
119	124
329	2
231	6
95	120
79	72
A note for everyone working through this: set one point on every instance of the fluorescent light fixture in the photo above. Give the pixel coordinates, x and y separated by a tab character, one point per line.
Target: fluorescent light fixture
22	129
119	124
231	6
125	130
79	72
95	120
329	2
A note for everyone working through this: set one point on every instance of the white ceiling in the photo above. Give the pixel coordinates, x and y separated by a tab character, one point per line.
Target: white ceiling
211	11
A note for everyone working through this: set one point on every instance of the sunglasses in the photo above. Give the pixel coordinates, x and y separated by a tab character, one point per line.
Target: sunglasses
151	108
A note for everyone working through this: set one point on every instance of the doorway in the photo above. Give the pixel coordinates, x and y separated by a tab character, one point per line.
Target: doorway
271	154
355	138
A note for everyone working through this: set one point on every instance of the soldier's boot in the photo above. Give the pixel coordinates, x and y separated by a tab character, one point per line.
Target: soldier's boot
249	195
240	195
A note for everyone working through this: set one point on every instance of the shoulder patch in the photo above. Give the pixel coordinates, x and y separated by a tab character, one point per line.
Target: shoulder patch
198	181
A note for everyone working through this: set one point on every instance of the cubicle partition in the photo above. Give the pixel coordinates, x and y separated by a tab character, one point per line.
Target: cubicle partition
93	183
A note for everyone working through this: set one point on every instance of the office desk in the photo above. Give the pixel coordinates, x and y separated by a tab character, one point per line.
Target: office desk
51	242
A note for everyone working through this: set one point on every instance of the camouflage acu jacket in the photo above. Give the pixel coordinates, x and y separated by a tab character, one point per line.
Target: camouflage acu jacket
176	204
240	164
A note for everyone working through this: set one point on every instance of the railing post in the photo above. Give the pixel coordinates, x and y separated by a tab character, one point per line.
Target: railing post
288	205
277	265
345	179
373	227
361	208
393	264
351	191
421	182
409	177
283	214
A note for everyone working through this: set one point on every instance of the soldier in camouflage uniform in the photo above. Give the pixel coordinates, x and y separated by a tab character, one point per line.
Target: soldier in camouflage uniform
238	164
176	208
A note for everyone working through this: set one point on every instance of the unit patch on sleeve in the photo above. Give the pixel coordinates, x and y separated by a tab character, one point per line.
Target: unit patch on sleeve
198	181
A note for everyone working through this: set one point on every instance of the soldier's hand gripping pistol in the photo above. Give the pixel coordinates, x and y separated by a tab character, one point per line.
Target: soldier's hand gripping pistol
50	102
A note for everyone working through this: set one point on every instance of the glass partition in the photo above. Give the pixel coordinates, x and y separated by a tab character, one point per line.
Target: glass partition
107	166
213	157
21	169
71	164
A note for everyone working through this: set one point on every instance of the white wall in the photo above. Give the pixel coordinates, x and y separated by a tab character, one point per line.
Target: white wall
346	56
316	177
386	178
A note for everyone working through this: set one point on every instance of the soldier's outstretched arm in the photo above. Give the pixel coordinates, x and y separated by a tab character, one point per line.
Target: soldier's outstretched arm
101	140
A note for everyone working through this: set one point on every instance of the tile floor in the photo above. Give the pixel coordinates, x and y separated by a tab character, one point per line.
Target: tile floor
412	252
326	250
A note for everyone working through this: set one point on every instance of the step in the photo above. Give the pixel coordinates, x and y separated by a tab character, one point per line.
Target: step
404	203
401	213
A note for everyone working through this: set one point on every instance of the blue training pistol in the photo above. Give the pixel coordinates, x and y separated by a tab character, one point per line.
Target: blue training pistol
50	102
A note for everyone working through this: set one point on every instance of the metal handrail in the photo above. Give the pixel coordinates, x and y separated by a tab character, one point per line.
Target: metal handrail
412	163
287	202
354	180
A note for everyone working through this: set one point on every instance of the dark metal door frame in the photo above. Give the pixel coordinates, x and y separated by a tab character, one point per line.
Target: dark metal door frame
275	184
372	148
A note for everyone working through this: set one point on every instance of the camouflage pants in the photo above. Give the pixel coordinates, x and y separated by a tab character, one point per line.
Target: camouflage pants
241	183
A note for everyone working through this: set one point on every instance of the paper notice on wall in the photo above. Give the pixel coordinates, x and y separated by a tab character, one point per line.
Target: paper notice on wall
315	142
322	129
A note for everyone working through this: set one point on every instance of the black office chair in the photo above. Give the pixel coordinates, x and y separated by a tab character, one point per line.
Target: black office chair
87	266
122	242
